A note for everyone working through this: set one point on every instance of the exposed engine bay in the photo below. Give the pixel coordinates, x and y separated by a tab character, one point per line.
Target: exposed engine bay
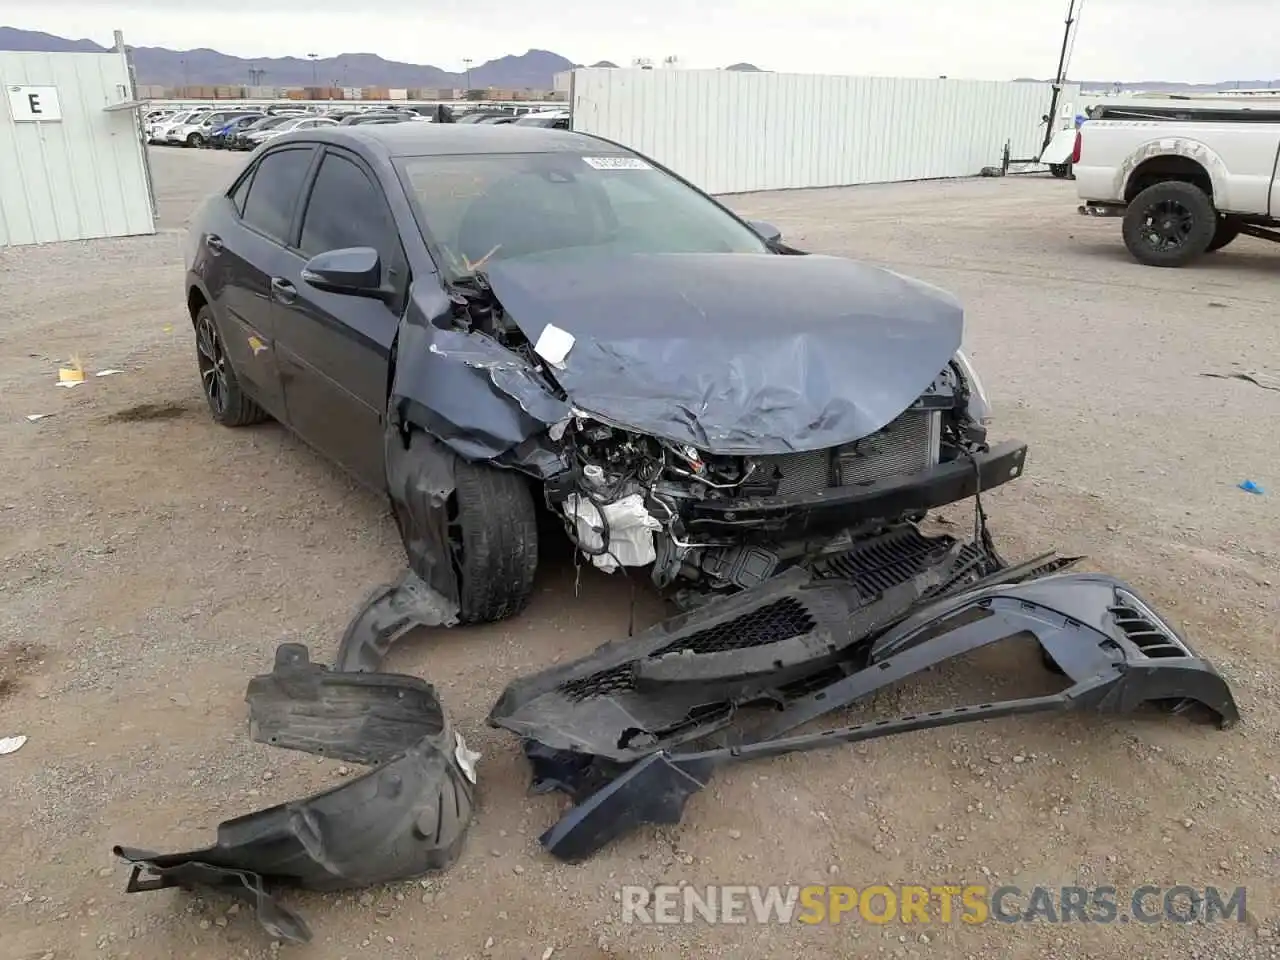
625	496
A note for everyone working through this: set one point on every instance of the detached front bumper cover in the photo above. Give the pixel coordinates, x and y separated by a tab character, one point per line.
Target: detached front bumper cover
635	729
407	817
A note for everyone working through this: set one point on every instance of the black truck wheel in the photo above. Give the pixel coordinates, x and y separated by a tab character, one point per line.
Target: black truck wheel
1227	230
1061	170
1169	224
493	542
228	403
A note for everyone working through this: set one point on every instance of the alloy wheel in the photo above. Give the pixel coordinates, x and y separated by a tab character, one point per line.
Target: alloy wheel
1167	225
212	359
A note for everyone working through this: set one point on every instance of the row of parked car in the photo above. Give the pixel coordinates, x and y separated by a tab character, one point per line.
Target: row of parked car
248	129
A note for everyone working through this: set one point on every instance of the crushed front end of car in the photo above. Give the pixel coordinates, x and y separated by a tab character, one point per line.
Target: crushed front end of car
735	415
716	523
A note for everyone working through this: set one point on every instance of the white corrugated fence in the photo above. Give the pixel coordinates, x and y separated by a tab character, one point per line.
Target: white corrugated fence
70	169
731	132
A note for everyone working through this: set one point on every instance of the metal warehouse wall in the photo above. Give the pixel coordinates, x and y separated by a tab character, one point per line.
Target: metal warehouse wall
83	176
731	132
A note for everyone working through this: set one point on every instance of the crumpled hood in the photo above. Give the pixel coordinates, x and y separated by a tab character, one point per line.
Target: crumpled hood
736	353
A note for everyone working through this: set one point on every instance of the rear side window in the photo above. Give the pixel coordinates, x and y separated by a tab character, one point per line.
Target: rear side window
241	192
273	194
346	210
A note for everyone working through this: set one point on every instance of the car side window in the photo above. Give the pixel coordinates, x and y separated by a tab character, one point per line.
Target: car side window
345	210
274	192
241	192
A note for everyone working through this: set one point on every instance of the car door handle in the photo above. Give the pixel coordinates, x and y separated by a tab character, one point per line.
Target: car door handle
214	243
283	290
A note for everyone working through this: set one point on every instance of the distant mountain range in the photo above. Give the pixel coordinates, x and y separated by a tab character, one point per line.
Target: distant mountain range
532	70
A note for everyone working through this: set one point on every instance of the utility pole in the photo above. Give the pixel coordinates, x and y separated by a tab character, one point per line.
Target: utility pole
186	80
466	64
1059	77
315	70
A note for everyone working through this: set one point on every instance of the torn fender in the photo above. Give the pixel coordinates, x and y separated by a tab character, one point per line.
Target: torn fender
453	395
478	398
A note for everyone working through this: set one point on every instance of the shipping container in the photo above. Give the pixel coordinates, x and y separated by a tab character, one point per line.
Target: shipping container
395	94
352	93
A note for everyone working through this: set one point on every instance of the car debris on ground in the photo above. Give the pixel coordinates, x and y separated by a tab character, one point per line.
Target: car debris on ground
634	729
405	818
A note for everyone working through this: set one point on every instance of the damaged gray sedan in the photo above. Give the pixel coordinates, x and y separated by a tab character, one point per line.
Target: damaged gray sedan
489	322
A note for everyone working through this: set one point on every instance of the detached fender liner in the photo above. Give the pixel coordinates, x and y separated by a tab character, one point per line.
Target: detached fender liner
407	817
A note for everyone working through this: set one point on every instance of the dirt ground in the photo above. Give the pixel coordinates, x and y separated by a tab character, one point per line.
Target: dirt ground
152	561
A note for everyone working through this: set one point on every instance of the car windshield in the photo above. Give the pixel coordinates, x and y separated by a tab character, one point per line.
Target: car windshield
477	209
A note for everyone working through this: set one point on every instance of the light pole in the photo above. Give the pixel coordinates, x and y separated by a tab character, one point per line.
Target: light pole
315	70
466	63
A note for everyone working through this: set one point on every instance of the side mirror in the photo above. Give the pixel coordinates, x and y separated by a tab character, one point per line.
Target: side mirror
767	231
356	271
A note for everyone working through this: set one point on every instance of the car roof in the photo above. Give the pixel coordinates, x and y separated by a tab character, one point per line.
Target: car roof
450	139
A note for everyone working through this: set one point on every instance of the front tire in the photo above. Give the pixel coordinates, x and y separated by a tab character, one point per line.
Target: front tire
228	403
1061	170
195	140
1169	224
493	542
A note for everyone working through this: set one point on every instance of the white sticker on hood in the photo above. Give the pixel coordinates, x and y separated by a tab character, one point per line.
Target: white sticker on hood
617	163
554	345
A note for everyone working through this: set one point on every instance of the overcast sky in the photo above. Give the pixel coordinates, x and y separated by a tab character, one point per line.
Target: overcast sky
1194	40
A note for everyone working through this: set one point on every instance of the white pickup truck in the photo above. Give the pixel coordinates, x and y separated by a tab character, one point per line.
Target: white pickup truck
1185	183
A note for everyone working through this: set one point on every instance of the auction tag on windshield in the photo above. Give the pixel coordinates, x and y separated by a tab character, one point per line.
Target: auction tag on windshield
617	163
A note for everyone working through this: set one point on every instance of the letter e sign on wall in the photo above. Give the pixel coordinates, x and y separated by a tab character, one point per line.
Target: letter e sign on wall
34	104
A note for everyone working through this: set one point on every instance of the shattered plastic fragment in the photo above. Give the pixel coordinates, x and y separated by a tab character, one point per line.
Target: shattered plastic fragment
466	757
386	616
11	744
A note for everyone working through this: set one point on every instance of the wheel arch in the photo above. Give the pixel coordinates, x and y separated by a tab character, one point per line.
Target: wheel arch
197	300
1174	158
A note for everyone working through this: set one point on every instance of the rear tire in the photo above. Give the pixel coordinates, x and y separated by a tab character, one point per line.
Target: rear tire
493	542
1228	229
228	403
1169	224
